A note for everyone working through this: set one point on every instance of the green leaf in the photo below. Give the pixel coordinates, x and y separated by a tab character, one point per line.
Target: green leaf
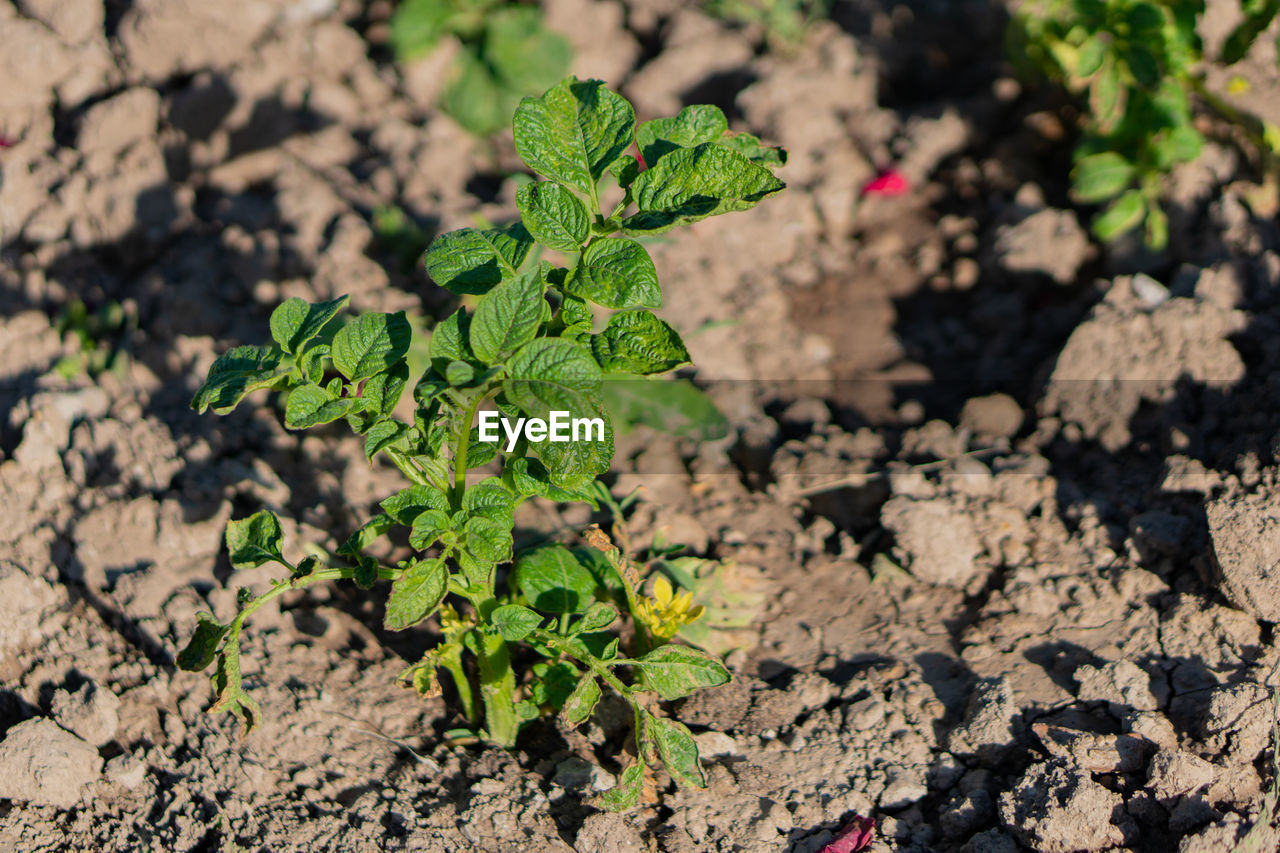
553	683
1243	36
489	498
312	362
754	150
626	794
576	312
450	340
480	453
1090	57
310	405
1143	65
582	701
429	525
554	215
381	394
598	616
295	322
202	648
1185	143
238	372
514	622
616	273
255	540
638	342
382	435
507	317
625	169
553	580
408	504
573	464
1106	93
694	125
551	374
306	566
366	572
674	407
416	594
365	536
475	97
488	539
526	56
694	183
370	344
530	477
1157	228
1144	19
678	751
1122	215
472	261
601	645
676	671
460	374
575	131
1101	176
478	571
418	25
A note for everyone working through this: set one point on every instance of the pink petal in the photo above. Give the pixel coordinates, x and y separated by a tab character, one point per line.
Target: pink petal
889	182
855	836
6	142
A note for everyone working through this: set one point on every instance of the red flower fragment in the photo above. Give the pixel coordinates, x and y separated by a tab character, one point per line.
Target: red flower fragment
6	142
889	182
856	835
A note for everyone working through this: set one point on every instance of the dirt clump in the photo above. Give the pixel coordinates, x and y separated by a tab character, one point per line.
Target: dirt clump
1245	529
45	765
1055	808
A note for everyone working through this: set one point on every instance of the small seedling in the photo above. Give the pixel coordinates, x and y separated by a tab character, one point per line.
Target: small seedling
531	349
1137	65
507	53
98	339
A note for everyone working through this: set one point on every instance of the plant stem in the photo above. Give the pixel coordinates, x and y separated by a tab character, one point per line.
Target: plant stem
451	662
497	687
326	574
460	452
599	668
408	467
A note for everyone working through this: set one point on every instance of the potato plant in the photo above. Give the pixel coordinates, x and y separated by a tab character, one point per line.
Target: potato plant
530	349
1137	66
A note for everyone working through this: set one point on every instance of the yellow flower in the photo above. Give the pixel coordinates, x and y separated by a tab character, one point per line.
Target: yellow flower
665	613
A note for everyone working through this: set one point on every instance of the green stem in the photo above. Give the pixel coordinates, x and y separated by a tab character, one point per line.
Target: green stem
597	667
408	467
451	662
460	452
325	574
595	201
497	687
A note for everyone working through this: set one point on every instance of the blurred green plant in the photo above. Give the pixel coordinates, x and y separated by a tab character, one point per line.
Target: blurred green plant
1137	65
98	339
783	22
507	53
399	235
